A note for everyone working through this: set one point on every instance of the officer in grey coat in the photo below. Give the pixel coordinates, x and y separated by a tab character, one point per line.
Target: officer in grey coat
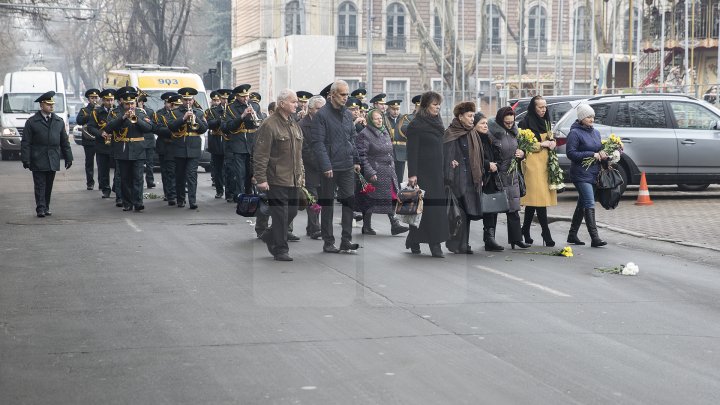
44	141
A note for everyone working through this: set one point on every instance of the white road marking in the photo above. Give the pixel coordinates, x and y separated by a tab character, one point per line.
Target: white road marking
522	280
132	225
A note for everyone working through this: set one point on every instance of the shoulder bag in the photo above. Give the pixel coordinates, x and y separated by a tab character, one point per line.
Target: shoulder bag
497	202
410	201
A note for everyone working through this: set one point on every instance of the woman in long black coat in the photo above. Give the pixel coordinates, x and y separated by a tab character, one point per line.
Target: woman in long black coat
503	137
463	155
425	168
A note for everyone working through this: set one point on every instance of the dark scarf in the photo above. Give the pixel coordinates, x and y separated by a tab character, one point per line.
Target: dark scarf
455	131
534	123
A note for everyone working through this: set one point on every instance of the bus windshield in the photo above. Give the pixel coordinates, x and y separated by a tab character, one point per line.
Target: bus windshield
24	103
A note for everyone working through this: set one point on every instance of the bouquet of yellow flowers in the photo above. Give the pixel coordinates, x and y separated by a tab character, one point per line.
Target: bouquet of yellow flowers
526	143
612	146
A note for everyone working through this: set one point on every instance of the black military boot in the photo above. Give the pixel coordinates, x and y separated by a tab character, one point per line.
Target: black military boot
367	224
396	227
592	228
489	238
575	227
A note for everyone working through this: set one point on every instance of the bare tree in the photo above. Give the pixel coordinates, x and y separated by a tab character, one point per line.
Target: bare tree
164	22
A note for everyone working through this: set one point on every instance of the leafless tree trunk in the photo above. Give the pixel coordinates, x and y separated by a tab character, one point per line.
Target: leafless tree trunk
164	22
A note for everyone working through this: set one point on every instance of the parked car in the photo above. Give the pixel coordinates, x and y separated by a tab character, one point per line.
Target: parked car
558	105
77	134
674	139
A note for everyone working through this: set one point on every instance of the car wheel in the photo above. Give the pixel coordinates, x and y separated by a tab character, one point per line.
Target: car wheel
693	187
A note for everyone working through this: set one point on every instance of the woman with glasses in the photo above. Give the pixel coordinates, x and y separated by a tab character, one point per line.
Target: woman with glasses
425	168
501	147
539	196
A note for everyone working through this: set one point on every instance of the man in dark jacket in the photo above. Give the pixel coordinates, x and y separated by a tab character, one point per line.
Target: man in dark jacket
312	169
164	146
333	141
239	127
278	169
103	147
44	140
84	116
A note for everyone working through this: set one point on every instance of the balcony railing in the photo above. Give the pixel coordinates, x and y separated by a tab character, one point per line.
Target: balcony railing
494	45
534	46
395	42
347	42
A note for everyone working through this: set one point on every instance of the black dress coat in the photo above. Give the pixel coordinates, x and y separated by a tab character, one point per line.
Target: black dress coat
425	160
122	128
44	143
213	116
96	126
504	146
376	159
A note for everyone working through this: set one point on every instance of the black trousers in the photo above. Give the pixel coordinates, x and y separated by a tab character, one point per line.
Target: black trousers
103	165
117	183
43	184
167	172
90	165
283	203
186	176
240	165
400	170
217	165
344	182
149	162
131	182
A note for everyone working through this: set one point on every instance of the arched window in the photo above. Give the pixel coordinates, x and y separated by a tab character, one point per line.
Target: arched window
537	41
492	27
626	42
347	26
395	38
582	30
294	18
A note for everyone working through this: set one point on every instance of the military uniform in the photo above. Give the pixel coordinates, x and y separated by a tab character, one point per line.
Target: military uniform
44	142
399	135
103	148
129	151
84	116
238	147
187	144
164	147
214	116
149	146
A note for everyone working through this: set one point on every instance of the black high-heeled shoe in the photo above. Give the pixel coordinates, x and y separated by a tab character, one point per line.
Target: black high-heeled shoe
436	250
519	244
526	236
548	242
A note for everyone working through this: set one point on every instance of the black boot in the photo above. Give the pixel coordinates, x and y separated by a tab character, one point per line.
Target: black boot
489	238
592	228
396	227
575	227
527	221
436	250
542	218
367	224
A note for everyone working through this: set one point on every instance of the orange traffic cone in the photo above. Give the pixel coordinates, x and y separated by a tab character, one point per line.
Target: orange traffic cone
643	193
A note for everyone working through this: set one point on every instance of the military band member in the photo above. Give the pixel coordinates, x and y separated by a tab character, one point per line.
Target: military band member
88	141
303	98
119	110
398	139
187	127
378	102
359	94
149	143
44	141
213	116
255	99
353	105
325	92
401	133
364	108
239	126
164	145
128	127
103	140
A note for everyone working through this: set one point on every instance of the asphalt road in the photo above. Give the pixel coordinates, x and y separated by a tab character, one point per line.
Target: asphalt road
172	306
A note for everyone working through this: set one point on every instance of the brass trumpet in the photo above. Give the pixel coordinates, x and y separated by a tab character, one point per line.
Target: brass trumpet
133	117
193	122
253	114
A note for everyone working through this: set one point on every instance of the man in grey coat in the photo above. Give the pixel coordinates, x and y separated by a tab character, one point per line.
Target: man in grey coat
44	141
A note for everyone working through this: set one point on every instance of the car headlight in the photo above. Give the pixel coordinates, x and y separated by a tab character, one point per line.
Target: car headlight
9	132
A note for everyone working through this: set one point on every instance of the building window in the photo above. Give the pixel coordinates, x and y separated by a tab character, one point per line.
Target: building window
294	18
626	42
396	90
353	84
436	85
395	38
537	41
437	30
582	30
492	28
582	88
347	36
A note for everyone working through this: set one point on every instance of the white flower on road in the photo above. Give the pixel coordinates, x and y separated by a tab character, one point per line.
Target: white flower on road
630	269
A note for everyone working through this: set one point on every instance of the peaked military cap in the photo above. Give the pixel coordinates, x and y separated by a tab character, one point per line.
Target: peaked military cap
46	98
380	99
242	90
129	96
324	92
416	99
364	107
352	102
187	92
166	95
174	99
108	93
394	103
92	93
359	94
142	98
255	96
123	90
214	95
224	93
303	95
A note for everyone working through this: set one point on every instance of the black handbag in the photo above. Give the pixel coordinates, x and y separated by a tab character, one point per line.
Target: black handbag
497	202
249	205
609	185
454	213
410	201
521	183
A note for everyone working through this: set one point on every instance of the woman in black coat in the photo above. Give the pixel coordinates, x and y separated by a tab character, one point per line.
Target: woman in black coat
502	134
464	173
425	168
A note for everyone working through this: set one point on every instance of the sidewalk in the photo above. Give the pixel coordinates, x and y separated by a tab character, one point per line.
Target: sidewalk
688	218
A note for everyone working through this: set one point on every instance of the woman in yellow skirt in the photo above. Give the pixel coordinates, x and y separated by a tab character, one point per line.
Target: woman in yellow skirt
539	196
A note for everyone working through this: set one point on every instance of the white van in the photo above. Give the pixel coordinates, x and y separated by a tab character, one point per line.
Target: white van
17	104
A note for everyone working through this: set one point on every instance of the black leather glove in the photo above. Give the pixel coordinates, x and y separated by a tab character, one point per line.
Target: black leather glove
26	165
68	164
